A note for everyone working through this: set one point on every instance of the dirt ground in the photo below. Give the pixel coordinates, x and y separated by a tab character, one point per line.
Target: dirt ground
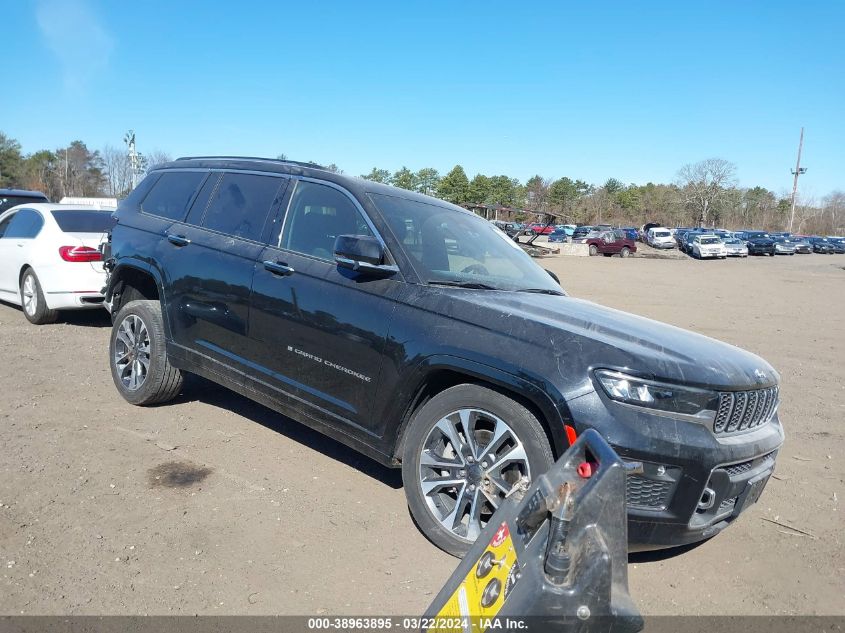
218	505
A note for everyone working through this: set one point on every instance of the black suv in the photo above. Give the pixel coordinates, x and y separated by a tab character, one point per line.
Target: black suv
415	332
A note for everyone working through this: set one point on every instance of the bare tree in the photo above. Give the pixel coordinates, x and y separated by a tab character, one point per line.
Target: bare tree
834	207
155	158
118	171
805	211
537	194
703	185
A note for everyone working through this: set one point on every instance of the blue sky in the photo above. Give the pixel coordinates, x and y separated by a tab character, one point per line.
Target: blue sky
631	90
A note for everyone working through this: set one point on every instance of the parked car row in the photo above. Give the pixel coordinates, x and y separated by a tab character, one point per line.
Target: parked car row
744	243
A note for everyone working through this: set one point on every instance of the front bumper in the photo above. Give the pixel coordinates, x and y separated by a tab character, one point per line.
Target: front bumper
694	484
713	254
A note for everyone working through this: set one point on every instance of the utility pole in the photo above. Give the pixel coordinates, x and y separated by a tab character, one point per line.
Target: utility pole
129	139
796	172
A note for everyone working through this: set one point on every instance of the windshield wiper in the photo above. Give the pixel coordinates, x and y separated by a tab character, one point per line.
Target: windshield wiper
542	291
462	284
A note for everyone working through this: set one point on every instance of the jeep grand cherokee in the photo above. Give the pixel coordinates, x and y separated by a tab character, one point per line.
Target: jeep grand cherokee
415	332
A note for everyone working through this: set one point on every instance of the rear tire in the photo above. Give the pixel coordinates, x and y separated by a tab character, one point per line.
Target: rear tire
435	448
625	251
32	300
138	359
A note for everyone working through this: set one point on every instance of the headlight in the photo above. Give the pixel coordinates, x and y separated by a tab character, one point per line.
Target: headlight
660	397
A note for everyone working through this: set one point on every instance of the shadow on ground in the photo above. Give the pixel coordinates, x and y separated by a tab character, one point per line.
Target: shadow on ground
202	390
85	318
81	318
655	556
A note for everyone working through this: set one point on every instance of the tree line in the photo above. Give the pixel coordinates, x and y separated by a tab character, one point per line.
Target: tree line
703	194
74	170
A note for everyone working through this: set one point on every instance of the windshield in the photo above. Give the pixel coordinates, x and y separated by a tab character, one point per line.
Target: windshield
73	221
733	242
662	234
710	240
448	246
7	202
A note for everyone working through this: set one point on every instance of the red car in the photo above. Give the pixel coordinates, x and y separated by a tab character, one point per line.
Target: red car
541	229
612	243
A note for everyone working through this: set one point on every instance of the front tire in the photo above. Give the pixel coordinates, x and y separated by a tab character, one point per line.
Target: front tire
138	359
625	251
32	300
593	250
462	453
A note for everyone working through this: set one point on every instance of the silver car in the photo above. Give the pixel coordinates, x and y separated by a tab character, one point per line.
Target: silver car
782	247
736	248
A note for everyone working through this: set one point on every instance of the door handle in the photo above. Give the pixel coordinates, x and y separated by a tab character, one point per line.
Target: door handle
178	240
278	268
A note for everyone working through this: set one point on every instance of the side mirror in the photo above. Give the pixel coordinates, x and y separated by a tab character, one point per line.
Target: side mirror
363	254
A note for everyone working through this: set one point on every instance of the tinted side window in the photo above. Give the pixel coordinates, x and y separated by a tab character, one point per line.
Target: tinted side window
25	224
139	193
316	216
171	194
201	201
240	204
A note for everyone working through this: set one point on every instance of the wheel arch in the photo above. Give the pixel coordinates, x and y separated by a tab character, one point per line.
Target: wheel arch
23	269
145	280
436	375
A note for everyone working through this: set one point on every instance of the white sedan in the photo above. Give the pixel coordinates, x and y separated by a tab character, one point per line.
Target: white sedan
50	258
707	245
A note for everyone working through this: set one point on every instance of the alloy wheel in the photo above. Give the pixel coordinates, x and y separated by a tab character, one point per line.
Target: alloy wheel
469	461
132	352
30	295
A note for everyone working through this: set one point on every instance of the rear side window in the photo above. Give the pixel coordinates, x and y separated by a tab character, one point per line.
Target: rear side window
25	224
171	194
83	221
240	204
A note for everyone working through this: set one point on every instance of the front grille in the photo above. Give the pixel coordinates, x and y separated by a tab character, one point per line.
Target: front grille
744	410
737	469
647	493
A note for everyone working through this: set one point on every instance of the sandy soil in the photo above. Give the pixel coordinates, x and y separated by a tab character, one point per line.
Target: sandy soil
214	504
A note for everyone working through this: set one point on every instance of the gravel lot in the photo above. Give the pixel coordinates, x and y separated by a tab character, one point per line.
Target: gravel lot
218	505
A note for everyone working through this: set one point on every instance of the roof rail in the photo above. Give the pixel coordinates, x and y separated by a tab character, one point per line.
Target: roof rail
258	158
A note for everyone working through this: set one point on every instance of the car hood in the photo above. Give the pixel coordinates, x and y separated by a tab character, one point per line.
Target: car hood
583	335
